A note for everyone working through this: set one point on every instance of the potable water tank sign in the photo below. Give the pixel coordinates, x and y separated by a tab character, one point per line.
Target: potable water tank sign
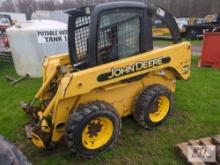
41	38
51	36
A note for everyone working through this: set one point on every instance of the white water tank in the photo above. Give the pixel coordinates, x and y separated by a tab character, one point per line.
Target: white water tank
32	40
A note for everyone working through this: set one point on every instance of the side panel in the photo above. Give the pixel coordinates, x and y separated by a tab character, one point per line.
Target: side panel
177	57
123	96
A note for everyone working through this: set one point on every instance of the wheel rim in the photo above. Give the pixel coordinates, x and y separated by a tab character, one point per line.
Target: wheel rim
161	110
97	133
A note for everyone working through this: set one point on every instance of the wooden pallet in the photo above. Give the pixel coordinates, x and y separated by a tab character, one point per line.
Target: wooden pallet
182	148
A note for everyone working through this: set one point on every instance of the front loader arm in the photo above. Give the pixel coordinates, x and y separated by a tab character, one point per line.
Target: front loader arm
51	68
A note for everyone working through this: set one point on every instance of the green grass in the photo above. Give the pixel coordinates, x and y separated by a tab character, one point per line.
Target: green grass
196	114
165	43
196	42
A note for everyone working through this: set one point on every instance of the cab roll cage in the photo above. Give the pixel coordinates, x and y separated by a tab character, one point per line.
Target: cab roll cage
93	14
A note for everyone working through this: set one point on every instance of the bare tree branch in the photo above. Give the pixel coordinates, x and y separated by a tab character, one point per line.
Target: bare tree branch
199	8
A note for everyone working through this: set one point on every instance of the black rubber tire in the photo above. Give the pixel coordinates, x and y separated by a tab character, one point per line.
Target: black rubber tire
145	105
81	117
10	154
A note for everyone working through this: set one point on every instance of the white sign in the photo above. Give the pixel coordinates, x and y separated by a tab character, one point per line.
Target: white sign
161	12
52	36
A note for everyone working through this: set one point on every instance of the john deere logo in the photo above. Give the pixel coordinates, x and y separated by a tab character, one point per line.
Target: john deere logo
138	66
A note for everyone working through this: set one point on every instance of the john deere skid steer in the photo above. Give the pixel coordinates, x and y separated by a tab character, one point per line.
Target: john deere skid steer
111	71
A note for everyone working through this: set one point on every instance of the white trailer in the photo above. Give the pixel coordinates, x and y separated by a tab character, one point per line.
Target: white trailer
57	15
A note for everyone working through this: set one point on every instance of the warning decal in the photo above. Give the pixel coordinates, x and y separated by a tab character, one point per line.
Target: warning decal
52	36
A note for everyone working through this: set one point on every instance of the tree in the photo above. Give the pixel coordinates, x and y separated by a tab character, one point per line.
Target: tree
179	8
7	5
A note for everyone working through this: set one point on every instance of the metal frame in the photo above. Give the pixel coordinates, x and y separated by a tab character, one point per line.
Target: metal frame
146	40
73	15
145	44
167	19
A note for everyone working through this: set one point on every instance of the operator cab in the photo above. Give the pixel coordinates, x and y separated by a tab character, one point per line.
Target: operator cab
113	31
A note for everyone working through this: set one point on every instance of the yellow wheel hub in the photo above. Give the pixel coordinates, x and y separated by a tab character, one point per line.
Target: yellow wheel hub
97	133
163	106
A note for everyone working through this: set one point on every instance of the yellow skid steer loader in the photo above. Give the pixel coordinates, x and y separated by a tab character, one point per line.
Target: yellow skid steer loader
111	71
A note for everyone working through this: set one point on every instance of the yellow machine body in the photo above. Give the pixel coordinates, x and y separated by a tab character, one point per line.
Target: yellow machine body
160	31
112	82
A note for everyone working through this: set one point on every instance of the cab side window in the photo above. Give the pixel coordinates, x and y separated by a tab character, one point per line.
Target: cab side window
118	36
